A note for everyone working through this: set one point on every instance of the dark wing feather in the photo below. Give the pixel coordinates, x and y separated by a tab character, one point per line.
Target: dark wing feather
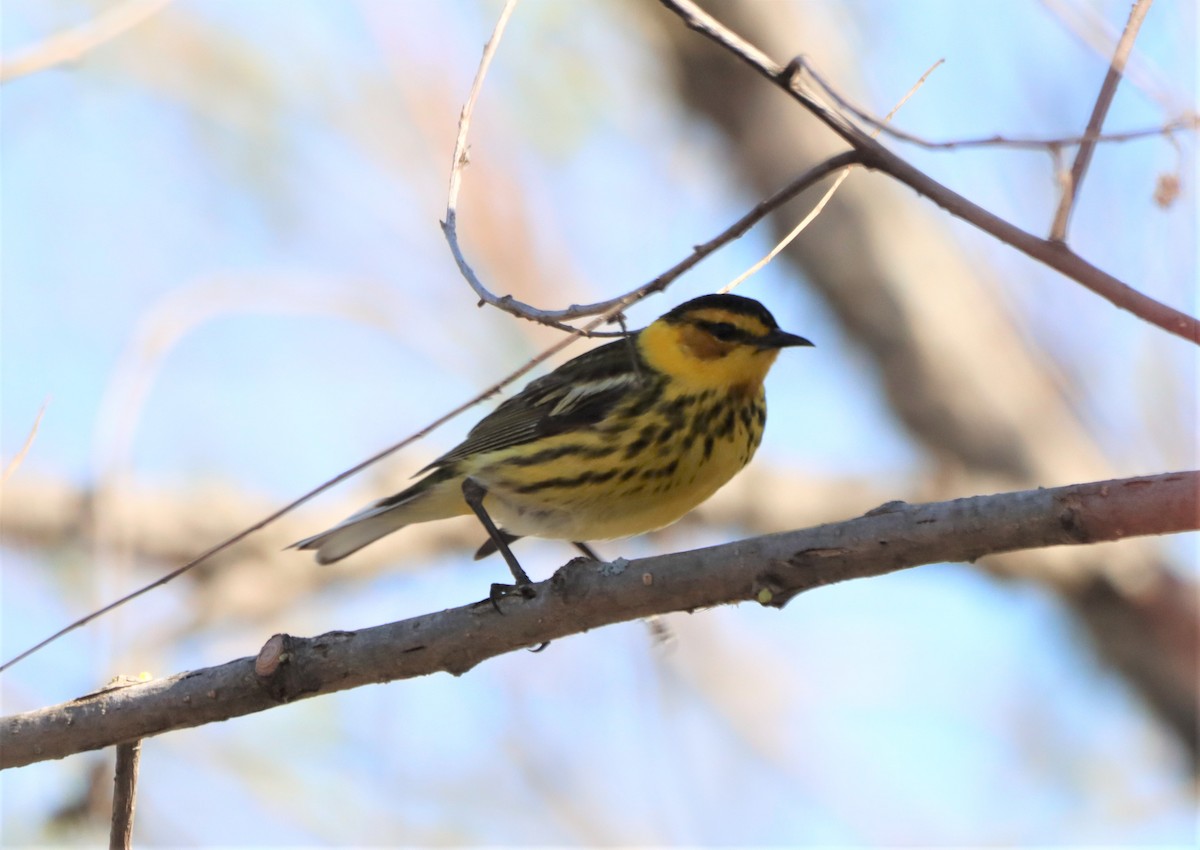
576	395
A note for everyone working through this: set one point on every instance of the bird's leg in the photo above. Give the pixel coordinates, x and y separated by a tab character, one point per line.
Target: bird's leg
474	492
588	551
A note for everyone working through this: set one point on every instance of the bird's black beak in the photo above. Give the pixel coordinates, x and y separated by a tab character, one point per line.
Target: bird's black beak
782	339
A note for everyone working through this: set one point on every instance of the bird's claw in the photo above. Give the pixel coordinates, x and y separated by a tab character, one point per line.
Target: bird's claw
500	591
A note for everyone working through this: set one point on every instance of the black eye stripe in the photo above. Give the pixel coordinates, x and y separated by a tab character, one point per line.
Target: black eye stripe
727	332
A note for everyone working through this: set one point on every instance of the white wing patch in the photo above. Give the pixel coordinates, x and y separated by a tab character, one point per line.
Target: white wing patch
583	391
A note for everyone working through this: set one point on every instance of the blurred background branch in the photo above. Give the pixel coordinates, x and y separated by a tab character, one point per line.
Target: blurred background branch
71	45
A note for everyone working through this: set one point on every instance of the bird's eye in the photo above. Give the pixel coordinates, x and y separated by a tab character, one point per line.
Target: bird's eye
723	331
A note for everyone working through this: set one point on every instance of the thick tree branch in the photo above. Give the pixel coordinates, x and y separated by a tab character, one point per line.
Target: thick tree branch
584	595
875	156
242	586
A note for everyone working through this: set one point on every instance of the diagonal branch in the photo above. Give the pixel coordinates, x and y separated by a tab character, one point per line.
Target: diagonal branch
585	595
71	45
875	156
1108	90
613	307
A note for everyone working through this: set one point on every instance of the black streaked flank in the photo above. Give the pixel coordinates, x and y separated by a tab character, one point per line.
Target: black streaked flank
644	439
678	406
561	454
662	471
590	477
547	455
726	427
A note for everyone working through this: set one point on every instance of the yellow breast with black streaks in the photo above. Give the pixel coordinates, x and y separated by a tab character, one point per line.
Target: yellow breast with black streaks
669	448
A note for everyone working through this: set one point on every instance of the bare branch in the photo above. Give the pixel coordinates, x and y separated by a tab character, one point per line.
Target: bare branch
612	306
311	494
1083	157
875	156
1018	428
584	595
129	754
1086	22
819	206
1183	122
737	229
458	165
19	457
73	44
1190	121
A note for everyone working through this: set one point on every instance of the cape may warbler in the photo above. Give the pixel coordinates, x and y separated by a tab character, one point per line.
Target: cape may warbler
624	439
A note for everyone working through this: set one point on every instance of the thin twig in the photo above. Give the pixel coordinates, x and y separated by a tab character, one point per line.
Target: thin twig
311	494
1190	121
611	306
734	231
72	44
700	252
1084	20
459	163
1056	255
1083	157
782	244
19	457
129	754
1183	122
819	206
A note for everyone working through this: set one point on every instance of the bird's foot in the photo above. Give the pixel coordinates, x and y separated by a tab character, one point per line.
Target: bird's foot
500	591
525	591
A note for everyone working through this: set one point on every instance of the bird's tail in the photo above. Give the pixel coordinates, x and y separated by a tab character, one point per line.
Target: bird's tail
437	496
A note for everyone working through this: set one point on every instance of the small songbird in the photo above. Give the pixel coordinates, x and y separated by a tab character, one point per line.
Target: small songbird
624	439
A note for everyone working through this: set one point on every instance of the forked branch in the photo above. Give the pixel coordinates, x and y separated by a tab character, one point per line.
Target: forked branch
1188	121
610	307
1050	252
